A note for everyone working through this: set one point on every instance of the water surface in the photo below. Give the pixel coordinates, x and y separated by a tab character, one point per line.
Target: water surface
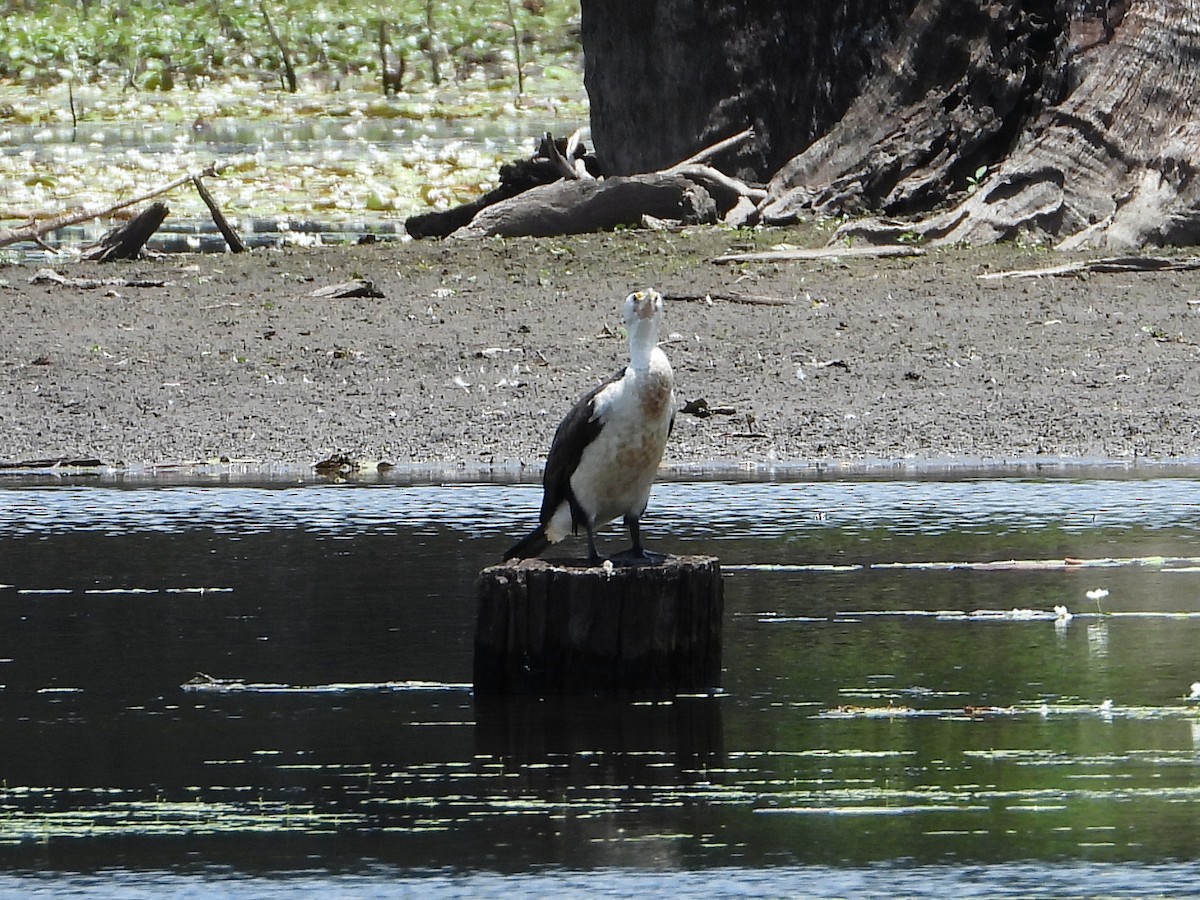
267	689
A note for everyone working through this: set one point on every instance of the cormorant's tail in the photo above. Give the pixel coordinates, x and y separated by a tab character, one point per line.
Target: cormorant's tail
529	546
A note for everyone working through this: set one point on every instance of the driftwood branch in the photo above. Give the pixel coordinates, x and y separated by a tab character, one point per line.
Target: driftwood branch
231	237
1108	265
730	297
359	287
34	231
704	173
49	276
709	152
814	253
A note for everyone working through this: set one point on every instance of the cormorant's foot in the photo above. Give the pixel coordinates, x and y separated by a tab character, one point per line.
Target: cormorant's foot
639	557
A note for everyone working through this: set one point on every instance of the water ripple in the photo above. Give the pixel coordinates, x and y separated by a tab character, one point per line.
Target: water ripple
712	509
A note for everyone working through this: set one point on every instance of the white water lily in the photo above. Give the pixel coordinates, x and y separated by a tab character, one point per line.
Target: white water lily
1195	694
1097	594
1062	614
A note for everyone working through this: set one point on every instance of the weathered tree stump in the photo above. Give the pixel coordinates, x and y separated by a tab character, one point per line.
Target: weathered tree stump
126	241
552	628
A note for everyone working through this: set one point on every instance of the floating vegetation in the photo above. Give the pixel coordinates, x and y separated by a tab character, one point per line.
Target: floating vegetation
123	818
145	47
206	683
1059	615
900	802
1106	710
97	103
1178	563
283	173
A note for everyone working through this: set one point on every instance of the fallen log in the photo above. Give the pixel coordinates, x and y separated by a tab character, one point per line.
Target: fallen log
126	241
579	207
688	192
719	184
443	223
554	159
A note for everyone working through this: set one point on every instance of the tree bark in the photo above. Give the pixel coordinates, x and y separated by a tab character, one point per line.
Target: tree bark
1113	164
949	97
667	77
1096	150
981	121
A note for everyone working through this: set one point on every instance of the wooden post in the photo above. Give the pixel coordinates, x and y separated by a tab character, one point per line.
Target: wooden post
552	628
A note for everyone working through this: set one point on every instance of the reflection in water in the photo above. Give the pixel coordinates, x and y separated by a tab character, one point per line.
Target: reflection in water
275	680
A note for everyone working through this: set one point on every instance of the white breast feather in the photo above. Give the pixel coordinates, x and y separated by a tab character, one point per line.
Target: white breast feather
616	470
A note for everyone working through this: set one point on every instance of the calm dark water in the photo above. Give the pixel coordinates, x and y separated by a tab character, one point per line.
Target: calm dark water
904	711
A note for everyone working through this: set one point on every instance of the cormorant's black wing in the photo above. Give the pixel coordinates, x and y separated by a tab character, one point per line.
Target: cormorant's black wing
577	429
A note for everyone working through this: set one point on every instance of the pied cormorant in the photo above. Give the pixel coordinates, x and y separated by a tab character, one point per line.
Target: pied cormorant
606	451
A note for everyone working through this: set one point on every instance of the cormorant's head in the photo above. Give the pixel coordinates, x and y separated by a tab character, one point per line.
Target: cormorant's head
643	306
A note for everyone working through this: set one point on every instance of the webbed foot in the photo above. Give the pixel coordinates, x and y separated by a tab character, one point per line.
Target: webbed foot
639	556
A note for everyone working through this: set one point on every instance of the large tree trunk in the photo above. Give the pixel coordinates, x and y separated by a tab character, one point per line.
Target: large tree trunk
978	120
950	96
668	77
1113	163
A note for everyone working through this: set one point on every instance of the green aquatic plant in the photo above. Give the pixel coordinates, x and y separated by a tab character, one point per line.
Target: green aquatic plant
154	46
97	70
976	179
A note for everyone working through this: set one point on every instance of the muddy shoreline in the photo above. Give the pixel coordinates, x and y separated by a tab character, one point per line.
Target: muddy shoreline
476	349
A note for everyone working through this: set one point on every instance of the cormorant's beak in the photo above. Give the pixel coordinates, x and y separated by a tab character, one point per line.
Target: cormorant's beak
645	303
